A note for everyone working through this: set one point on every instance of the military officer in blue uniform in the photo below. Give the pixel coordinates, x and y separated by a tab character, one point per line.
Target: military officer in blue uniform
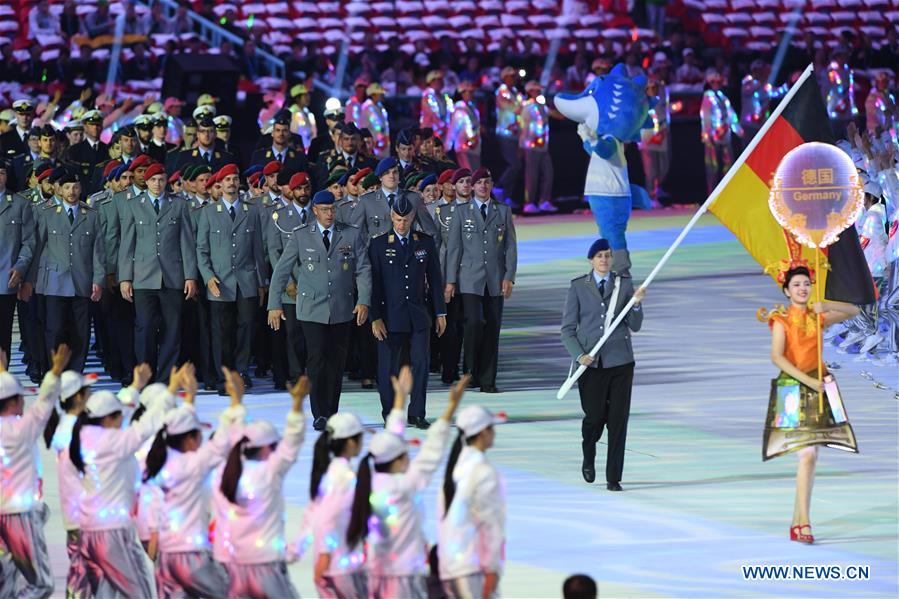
333	276
593	303
405	272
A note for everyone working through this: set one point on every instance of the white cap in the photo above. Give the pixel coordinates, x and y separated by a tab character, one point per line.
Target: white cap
9	386
344	425
261	433
151	392
222	121
333	112
386	447
181	420
74	124
102	403
205	109
142	119
474	419
71	382
873	188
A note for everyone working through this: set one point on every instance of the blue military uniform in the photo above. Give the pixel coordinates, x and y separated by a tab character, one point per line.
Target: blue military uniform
405	271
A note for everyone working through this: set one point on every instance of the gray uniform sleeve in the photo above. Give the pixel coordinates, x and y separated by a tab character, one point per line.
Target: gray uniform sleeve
363	271
259	252
111	237
29	241
634	318
204	261
570	319
427	225
511	248
454	249
126	245
188	244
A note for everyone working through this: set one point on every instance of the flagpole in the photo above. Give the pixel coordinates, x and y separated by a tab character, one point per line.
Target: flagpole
725	181
818	330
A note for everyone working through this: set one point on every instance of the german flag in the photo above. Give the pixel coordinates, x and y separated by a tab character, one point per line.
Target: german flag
742	200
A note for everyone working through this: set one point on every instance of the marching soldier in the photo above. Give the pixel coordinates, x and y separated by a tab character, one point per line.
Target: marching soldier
70	269
206	150
334	264
157	263
143	124
232	263
17	249
282	225
291	160
405	270
405	153
15	141
605	387
481	260
372	213
325	141
90	151
451	340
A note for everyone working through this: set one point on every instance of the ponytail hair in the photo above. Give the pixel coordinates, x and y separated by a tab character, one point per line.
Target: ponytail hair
449	485
361	511
157	455
321	459
138	413
50	429
233	470
75	443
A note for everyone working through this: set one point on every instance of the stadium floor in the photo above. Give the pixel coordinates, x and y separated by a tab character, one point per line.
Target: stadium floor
698	501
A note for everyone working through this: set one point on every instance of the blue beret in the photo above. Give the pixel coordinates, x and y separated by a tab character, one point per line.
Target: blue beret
116	173
600	245
385	165
323	198
256	168
429	180
402	206
405	137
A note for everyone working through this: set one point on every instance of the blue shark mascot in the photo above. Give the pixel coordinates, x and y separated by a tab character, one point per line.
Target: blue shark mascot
610	112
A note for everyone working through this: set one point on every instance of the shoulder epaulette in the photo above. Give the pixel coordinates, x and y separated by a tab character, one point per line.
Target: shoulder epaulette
381	234
85	205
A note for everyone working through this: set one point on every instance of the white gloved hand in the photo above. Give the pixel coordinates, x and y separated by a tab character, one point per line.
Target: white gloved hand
586	134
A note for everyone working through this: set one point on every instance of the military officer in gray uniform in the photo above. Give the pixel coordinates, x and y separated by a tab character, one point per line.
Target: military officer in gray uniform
481	261
231	261
605	387
17	247
120	359
372	213
289	351
451	340
157	270
405	275
70	268
332	269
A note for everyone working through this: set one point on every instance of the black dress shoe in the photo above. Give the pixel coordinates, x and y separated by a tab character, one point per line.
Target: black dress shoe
589	472
447	380
419	422
613	487
320	423
221	391
489	389
280	386
247	381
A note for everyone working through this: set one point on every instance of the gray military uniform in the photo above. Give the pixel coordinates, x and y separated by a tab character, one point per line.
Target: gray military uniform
584	319
157	250
481	254
230	250
17	244
327	280
372	215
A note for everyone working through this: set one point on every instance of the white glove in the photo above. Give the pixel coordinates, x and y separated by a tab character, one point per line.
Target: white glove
586	134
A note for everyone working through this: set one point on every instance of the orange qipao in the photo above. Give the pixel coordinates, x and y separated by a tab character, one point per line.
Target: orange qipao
794	420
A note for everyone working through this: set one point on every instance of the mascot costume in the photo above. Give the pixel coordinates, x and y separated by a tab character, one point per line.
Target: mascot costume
611	111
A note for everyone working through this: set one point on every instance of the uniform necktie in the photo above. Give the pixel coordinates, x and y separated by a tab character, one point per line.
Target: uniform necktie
484	211
156	205
405	242
602	287
208	157
281	158
71	215
231	212
303	215
326	239
390	198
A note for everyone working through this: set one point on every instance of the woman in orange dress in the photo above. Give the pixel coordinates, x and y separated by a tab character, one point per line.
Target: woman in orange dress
795	420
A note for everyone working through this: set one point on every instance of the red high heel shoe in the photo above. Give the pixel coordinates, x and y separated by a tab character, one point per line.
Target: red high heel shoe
797	535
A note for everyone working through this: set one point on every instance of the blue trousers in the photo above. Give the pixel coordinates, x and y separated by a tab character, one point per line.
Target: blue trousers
396	350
